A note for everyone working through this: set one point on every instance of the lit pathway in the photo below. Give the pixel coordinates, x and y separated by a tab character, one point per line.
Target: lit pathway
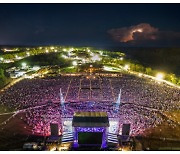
12	83
6	113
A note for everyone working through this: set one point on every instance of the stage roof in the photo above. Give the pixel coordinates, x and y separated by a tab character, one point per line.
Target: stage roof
90	119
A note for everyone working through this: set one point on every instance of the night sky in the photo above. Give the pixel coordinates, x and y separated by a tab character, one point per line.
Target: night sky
99	25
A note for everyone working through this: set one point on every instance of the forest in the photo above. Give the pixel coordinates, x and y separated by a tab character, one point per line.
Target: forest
163	59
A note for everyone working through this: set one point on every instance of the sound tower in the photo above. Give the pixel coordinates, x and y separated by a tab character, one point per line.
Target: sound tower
54	129
126	129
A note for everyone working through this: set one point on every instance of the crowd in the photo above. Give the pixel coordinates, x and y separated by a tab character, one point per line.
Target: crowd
146	92
40	119
34	92
141	100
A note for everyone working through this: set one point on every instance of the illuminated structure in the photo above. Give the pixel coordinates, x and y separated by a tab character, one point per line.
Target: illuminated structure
117	103
90	128
62	108
159	76
62	101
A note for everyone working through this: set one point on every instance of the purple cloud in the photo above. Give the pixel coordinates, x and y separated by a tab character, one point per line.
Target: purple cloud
141	32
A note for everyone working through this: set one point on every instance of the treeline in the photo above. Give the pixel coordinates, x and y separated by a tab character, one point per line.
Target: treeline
163	59
22	53
3	78
137	66
149	71
45	60
40	60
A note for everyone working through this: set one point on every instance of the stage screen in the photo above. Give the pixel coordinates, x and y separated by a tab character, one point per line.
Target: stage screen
90	137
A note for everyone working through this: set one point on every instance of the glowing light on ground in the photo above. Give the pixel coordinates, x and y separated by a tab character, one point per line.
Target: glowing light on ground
28	54
35	68
159	76
24	65
96	57
106	68
140	74
71	49
74	63
64	56
126	67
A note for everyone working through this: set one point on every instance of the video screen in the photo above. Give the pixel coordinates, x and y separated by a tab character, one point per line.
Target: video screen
90	137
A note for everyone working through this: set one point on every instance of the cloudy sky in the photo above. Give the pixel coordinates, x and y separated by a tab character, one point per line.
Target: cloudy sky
100	25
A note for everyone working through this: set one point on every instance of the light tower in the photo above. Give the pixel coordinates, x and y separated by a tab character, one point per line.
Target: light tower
116	110
62	109
117	103
61	97
62	101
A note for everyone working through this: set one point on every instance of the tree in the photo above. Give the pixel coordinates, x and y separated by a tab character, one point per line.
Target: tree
2	78
148	71
172	78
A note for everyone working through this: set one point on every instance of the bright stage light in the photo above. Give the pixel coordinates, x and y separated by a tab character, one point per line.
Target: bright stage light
159	76
47	51
1	58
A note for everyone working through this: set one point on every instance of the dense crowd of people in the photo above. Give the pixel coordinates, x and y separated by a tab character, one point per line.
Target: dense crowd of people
34	92
39	119
141	100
